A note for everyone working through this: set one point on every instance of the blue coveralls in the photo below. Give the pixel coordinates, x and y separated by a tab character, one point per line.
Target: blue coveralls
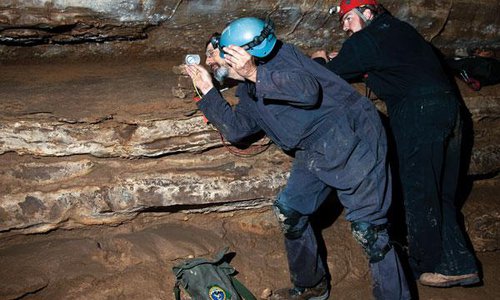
339	144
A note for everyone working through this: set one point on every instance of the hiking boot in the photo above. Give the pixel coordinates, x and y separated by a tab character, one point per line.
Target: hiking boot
440	280
319	292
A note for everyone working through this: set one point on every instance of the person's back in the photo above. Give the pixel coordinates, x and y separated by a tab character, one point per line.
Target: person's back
335	90
398	60
294	123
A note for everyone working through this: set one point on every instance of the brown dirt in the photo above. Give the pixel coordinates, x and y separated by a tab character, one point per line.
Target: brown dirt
134	260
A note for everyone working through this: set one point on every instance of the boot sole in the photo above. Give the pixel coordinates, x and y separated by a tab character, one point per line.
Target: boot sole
461	282
322	297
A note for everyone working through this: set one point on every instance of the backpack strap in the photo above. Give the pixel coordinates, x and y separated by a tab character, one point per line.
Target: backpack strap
220	255
177	291
242	290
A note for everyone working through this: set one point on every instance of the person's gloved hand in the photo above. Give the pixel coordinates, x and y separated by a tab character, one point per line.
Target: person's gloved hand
471	82
322	54
474	84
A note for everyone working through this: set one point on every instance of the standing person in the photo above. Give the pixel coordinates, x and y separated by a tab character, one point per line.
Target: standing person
335	135
424	112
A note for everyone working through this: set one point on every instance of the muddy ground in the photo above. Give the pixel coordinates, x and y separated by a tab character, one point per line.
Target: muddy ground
134	260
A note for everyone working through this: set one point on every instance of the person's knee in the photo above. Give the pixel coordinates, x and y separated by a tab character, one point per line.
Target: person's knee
371	238
293	223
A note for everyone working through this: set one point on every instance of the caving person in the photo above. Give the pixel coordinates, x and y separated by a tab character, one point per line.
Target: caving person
403	70
334	134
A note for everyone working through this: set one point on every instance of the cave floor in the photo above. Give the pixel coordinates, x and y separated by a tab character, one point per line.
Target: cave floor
134	260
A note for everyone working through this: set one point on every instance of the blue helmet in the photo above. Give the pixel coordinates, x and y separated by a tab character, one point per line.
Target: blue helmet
252	34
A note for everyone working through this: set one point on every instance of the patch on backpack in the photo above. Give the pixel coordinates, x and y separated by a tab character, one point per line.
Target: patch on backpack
217	293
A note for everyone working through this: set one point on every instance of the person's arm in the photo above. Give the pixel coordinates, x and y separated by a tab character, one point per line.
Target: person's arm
293	86
357	57
234	124
322	57
346	64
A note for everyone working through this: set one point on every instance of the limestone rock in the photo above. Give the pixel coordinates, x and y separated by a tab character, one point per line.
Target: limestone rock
134	27
43	195
100	143
482	216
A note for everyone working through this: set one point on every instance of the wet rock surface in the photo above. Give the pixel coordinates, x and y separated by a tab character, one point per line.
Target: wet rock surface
482	216
99	143
109	28
40	195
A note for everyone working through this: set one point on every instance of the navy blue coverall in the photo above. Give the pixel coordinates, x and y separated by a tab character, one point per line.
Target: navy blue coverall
339	144
424	112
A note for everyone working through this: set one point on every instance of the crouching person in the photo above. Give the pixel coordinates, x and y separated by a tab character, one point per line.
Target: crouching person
334	134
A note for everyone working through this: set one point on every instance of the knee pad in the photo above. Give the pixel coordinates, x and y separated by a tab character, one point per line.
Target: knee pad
367	235
293	224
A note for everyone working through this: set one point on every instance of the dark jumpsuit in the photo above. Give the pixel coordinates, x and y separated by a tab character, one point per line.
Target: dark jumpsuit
424	113
339	144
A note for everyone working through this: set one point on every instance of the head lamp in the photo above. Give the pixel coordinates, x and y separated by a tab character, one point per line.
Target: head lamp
334	10
214	41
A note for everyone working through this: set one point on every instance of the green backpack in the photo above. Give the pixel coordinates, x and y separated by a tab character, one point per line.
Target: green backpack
204	279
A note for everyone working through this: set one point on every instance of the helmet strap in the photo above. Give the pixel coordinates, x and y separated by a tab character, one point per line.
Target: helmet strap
266	31
359	12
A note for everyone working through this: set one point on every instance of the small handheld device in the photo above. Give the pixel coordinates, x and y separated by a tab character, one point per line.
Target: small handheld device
192	59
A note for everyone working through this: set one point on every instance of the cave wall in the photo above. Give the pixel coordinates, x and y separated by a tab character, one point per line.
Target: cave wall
71	28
